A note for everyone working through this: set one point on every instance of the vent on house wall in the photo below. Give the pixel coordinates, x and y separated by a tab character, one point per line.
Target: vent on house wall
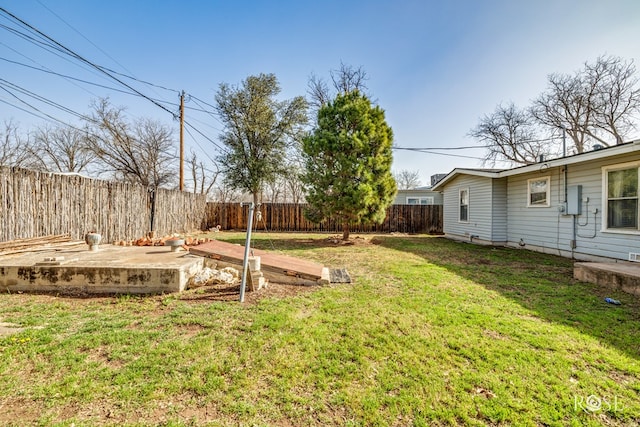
634	256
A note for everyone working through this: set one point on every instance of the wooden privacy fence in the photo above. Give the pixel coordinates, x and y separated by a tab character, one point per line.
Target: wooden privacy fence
290	217
35	204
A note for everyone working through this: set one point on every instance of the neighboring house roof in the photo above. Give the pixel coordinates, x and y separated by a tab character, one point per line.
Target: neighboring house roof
615	150
417	189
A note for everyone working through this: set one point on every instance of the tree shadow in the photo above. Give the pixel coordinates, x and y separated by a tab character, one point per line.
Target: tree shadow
539	282
295	241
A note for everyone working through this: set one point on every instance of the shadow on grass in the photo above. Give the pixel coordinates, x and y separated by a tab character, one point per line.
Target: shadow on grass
293	241
539	282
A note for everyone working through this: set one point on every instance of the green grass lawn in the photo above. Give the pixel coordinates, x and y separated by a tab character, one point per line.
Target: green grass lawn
431	332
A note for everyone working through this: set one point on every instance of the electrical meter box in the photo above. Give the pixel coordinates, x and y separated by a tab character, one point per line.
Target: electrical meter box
574	200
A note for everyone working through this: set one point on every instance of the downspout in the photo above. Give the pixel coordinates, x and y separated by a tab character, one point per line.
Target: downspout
564	154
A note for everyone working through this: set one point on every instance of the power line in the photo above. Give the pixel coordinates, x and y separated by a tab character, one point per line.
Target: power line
198	144
469	147
86	61
438	148
426	151
48	47
83	36
31	106
51	44
24	109
41	98
141	81
204	102
130	76
65	76
204	136
211	113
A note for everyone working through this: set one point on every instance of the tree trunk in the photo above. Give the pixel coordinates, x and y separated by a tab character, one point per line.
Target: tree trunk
345	231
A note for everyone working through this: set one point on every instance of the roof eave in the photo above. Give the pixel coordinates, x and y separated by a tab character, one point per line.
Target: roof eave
578	158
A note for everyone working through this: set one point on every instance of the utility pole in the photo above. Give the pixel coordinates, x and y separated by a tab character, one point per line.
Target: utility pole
182	141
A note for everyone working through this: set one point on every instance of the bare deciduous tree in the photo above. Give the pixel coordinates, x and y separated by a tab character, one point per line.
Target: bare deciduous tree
203	178
617	97
225	193
595	104
407	180
343	80
15	150
509	135
274	191
62	149
293	183
142	152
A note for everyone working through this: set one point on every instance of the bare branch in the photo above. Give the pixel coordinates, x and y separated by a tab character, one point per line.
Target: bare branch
63	149
15	149
142	152
509	135
343	80
596	104
407	180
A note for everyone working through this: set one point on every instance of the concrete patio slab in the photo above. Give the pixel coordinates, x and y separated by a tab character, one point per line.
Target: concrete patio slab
624	275
109	270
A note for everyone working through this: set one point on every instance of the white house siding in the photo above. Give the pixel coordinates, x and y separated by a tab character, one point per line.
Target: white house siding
498	211
548	230
478	228
541	228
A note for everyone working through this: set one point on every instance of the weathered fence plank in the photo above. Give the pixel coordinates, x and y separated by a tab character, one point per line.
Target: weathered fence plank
35	204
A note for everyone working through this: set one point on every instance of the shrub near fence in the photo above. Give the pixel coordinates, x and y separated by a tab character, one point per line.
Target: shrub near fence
290	217
36	204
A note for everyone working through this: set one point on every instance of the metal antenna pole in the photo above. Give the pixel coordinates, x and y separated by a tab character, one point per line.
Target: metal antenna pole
245	261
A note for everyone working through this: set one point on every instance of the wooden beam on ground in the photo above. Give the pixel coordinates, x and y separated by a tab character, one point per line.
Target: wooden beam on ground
270	262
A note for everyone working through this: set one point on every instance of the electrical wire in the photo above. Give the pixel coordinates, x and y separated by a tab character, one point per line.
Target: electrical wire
65	76
84	60
31	106
199	102
198	144
83	36
427	151
25	110
205	136
438	148
48	47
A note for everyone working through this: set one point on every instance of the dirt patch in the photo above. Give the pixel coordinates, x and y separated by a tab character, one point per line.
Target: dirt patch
9	329
225	292
208	293
337	240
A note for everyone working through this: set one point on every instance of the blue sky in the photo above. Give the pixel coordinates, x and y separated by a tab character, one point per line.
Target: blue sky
435	67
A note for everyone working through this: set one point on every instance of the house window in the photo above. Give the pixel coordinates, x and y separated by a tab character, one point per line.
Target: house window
538	192
464	205
419	200
621	186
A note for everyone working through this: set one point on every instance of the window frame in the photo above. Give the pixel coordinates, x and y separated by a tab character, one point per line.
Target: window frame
604	226
547	202
460	205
